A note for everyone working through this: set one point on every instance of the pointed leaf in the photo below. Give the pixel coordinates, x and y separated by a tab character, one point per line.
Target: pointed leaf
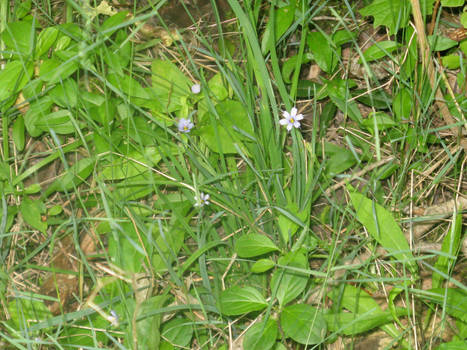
254	244
262	265
304	324
32	213
287	284
241	300
261	336
454	299
383	228
393	14
178	332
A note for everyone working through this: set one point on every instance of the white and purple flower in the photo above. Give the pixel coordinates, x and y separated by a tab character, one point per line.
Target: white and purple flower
185	125
196	88
291	119
202	200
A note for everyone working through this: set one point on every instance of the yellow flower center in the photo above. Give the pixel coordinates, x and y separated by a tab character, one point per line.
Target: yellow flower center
292	120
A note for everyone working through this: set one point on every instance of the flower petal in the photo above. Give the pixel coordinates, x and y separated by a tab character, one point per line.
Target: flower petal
299	117
296	124
283	121
293	112
289	127
286	114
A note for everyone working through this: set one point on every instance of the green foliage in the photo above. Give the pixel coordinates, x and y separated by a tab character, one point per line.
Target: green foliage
276	252
252	245
262	335
287	282
178	332
240	300
383	228
303	323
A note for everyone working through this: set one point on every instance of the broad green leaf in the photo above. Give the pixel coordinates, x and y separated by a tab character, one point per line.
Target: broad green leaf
10	216
283	19
147	328
169	245
133	188
303	323
451	61
453	345
289	67
323	51
45	40
19	37
452	3
53	70
261	336
378	99
22	8
354	299
133	164
381	119
339	92
178	332
288	218
454	299
65	94
349	323
381	225
13	78
37	110
342	37
450	246
464	19
18	133
241	300
288	283
402	104
110	25
59	121
5	171
32	213
262	265
125	248
441	43
339	162
379	50
74	175
55	210
222	137
338	159
24	312
393	14
128	86
217	87
308	89
251	245
359	302
169	84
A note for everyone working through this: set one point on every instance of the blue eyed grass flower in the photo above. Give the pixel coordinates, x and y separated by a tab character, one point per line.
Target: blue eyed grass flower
291	119
202	200
185	125
196	88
